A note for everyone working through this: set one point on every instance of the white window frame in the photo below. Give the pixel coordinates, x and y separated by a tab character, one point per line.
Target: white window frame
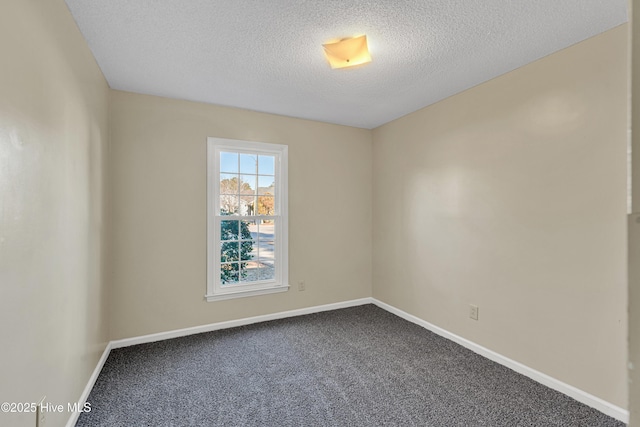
215	290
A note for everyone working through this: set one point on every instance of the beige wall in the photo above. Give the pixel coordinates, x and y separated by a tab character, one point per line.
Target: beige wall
511	196
635	96
634	228
634	318
53	141
158	168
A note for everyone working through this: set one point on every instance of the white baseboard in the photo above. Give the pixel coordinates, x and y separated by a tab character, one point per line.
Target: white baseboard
577	394
571	391
73	419
234	323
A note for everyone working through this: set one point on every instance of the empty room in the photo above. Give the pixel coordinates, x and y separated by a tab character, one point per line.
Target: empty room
336	213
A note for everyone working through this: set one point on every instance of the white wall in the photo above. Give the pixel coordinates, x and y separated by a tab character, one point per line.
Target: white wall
158	168
511	196
53	140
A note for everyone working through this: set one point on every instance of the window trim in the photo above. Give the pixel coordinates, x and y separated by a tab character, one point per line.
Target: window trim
281	281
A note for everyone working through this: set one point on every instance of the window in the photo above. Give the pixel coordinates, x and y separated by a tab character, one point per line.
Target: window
247	219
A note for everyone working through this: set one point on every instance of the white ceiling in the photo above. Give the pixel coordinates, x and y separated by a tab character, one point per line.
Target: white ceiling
267	55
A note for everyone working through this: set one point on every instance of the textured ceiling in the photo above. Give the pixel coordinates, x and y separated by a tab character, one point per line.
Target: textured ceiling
267	55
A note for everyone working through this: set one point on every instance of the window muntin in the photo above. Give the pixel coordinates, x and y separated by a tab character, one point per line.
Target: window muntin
247	242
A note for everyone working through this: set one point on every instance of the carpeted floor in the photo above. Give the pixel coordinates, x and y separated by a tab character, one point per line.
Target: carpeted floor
358	366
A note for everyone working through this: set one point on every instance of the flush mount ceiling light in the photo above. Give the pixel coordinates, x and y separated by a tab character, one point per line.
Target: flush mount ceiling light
347	52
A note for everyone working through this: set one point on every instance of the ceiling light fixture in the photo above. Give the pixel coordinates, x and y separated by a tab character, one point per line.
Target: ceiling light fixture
347	52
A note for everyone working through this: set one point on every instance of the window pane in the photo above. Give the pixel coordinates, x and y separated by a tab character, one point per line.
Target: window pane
229	251
266	234
248	272
254	251
247	249
229	273
266	205
229	230
253	229
247	205
248	163
228	183
267	262
267	251
266	165
229	205
245	230
247	184
228	162
254	271
266	184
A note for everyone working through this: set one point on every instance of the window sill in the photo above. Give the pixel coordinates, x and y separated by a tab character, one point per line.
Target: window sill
246	293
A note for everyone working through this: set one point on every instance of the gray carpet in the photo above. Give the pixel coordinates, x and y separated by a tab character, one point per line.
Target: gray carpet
358	366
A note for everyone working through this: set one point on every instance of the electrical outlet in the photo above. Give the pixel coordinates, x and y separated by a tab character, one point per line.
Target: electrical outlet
40	413
301	285
473	311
